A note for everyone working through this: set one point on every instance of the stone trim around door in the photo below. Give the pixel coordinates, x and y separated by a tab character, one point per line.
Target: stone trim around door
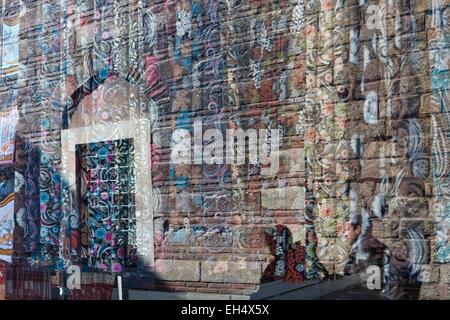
138	130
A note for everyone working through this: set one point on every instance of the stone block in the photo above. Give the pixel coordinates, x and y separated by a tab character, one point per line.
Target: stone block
429	274
385	228
429	292
286	198
374	149
445	292
409	207
445	273
177	270
231	272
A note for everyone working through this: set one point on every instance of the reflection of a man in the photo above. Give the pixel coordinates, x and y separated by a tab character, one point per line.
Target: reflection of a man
366	251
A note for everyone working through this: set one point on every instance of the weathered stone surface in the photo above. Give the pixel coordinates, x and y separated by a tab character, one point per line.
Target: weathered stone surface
385	228
445	293
429	292
445	273
177	270
288	198
375	149
429	274
231	272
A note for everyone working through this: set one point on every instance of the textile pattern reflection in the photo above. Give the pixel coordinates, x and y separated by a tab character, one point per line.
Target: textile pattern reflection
107	205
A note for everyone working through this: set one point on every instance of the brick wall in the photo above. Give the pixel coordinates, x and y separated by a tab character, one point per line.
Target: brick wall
360	104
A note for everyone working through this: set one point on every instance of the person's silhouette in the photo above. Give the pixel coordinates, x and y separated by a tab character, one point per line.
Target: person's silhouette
288	263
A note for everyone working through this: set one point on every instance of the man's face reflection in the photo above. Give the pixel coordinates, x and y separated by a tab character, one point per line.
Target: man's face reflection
352	232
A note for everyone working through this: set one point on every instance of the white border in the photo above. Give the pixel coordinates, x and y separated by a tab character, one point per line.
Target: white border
138	130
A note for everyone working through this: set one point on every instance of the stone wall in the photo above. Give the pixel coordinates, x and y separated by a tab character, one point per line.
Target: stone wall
357	90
